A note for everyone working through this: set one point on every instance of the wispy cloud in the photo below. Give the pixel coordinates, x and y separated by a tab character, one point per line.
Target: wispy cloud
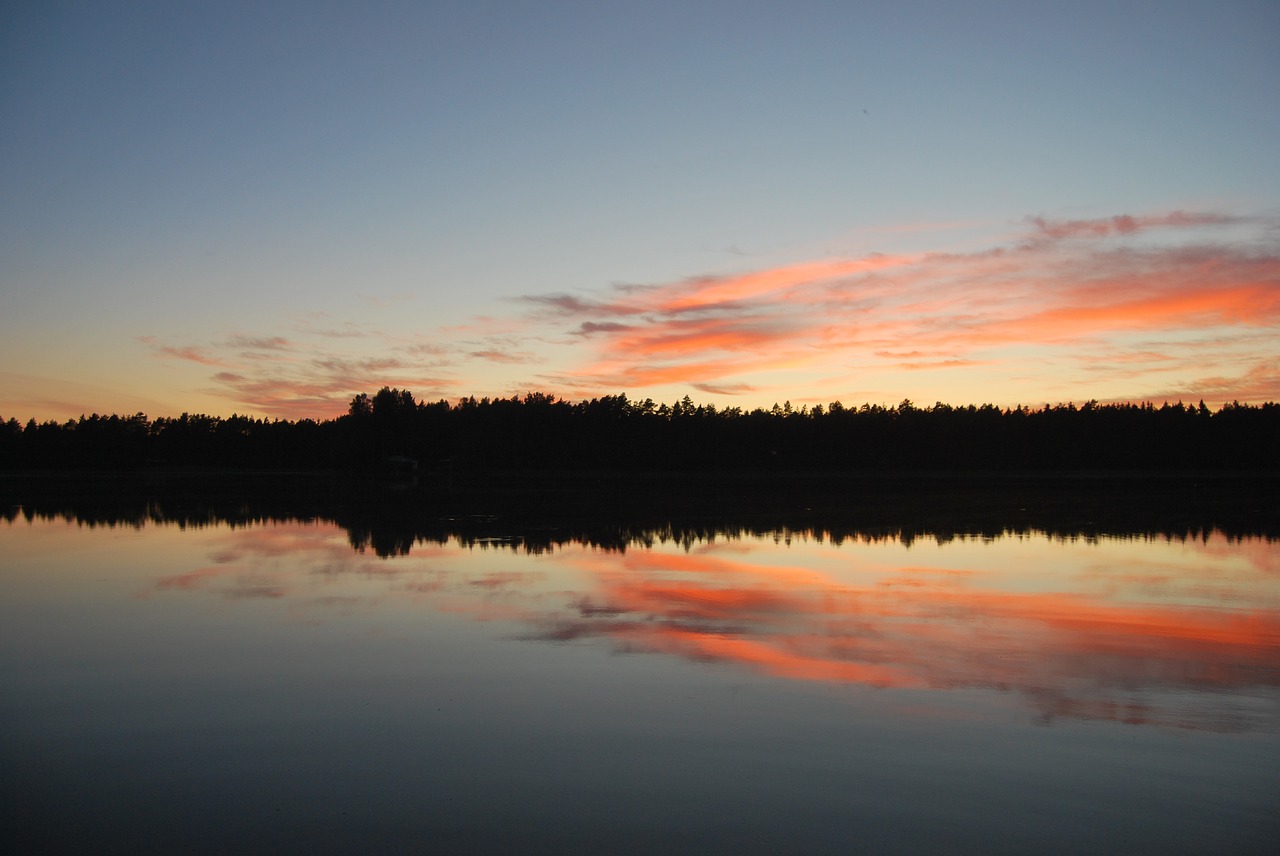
324	387
259	343
588	328
1123	224
295	378
496	356
567	304
180	352
725	388
424	349
1261	382
1127	307
1068	288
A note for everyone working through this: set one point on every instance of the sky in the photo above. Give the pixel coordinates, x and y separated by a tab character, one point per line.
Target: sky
267	209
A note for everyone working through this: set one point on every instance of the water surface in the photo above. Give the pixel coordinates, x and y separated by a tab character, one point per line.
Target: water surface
255	686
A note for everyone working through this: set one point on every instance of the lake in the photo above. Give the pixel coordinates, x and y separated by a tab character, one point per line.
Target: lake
230	680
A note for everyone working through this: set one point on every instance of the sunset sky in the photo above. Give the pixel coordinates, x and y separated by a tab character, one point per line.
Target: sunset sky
268	208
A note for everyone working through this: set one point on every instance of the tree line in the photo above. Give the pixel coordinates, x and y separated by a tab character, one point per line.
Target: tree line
539	512
536	431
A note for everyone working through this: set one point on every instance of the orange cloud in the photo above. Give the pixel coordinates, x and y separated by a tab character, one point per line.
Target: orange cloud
723	388
614	376
1186	309
1070	288
698	335
778	283
1230	293
1261	382
192	354
1202	289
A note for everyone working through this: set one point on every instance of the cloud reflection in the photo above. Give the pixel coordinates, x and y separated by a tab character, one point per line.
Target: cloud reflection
1071	654
1183	640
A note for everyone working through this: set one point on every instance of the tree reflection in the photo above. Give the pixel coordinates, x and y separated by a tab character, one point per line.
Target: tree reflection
1198	648
389	516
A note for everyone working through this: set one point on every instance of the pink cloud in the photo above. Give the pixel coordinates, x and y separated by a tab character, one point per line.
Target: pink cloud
320	387
725	388
325	394
497	356
621	375
189	353
1261	382
1111	307
1073	286
684	336
711	292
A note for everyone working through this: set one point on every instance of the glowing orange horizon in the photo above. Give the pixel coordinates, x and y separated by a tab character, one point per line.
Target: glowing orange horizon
1201	290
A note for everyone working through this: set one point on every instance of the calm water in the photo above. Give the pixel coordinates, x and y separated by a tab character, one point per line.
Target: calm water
267	686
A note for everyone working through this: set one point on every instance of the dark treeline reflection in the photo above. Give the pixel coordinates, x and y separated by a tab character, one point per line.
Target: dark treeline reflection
534	514
538	432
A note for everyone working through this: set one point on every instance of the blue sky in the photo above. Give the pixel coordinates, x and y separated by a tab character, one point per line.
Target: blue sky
222	207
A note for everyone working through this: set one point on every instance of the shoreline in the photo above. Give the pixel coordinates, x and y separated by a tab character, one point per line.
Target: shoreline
612	509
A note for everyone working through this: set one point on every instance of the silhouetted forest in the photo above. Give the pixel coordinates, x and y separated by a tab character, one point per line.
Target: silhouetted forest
538	512
392	430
